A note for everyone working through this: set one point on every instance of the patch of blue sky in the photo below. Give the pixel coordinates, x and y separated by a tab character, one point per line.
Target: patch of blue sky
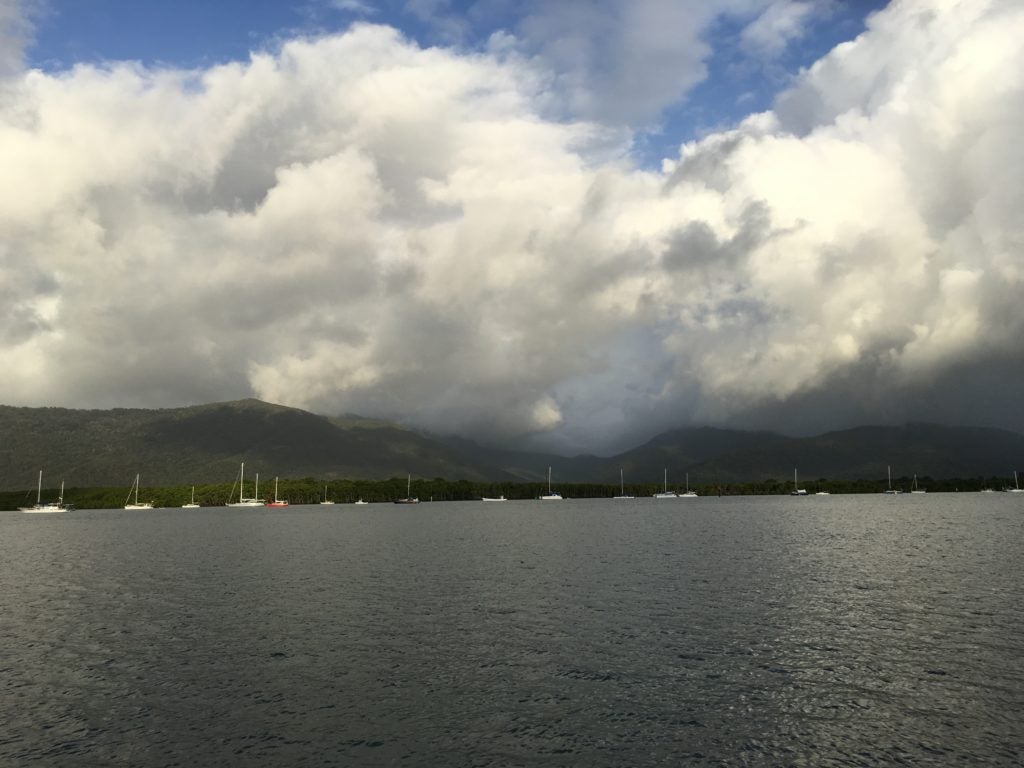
185	34
198	33
739	83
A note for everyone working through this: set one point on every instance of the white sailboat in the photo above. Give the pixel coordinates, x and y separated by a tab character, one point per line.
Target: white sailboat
128	504
192	504
666	493
797	490
494	498
276	502
360	502
252	501
889	491
550	495
49	507
326	501
622	488
688	494
409	499
1016	486
915	489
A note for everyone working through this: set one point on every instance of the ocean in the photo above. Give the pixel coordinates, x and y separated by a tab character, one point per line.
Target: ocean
737	631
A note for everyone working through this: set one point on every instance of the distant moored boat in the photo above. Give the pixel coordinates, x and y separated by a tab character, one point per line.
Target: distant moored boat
622	488
688	494
192	504
889	490
326	500
252	501
666	493
128	504
409	499
49	507
276	502
550	495
797	490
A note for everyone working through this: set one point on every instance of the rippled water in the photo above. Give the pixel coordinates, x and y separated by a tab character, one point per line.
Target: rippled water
819	631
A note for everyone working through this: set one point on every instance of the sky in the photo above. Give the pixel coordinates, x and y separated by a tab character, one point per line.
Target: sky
565	225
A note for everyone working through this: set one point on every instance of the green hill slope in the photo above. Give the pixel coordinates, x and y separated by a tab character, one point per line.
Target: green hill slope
205	444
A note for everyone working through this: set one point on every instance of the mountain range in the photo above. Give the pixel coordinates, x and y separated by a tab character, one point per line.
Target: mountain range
206	444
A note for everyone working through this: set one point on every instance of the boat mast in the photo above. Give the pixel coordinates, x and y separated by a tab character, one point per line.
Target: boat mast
39	490
241	484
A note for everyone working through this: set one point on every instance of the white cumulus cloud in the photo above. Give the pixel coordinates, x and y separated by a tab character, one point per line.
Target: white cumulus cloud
359	224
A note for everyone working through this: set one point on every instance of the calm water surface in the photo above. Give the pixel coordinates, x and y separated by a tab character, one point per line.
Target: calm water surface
820	631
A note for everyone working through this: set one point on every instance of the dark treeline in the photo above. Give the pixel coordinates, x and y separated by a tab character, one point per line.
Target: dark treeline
311	491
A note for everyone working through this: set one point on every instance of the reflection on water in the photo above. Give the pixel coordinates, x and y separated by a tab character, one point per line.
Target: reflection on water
770	631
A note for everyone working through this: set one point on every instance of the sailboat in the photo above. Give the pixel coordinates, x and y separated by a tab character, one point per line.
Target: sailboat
797	490
1016	486
550	495
915	489
494	498
252	501
192	504
50	506
622	488
688	494
326	500
666	494
128	504
408	494
889	491
276	502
